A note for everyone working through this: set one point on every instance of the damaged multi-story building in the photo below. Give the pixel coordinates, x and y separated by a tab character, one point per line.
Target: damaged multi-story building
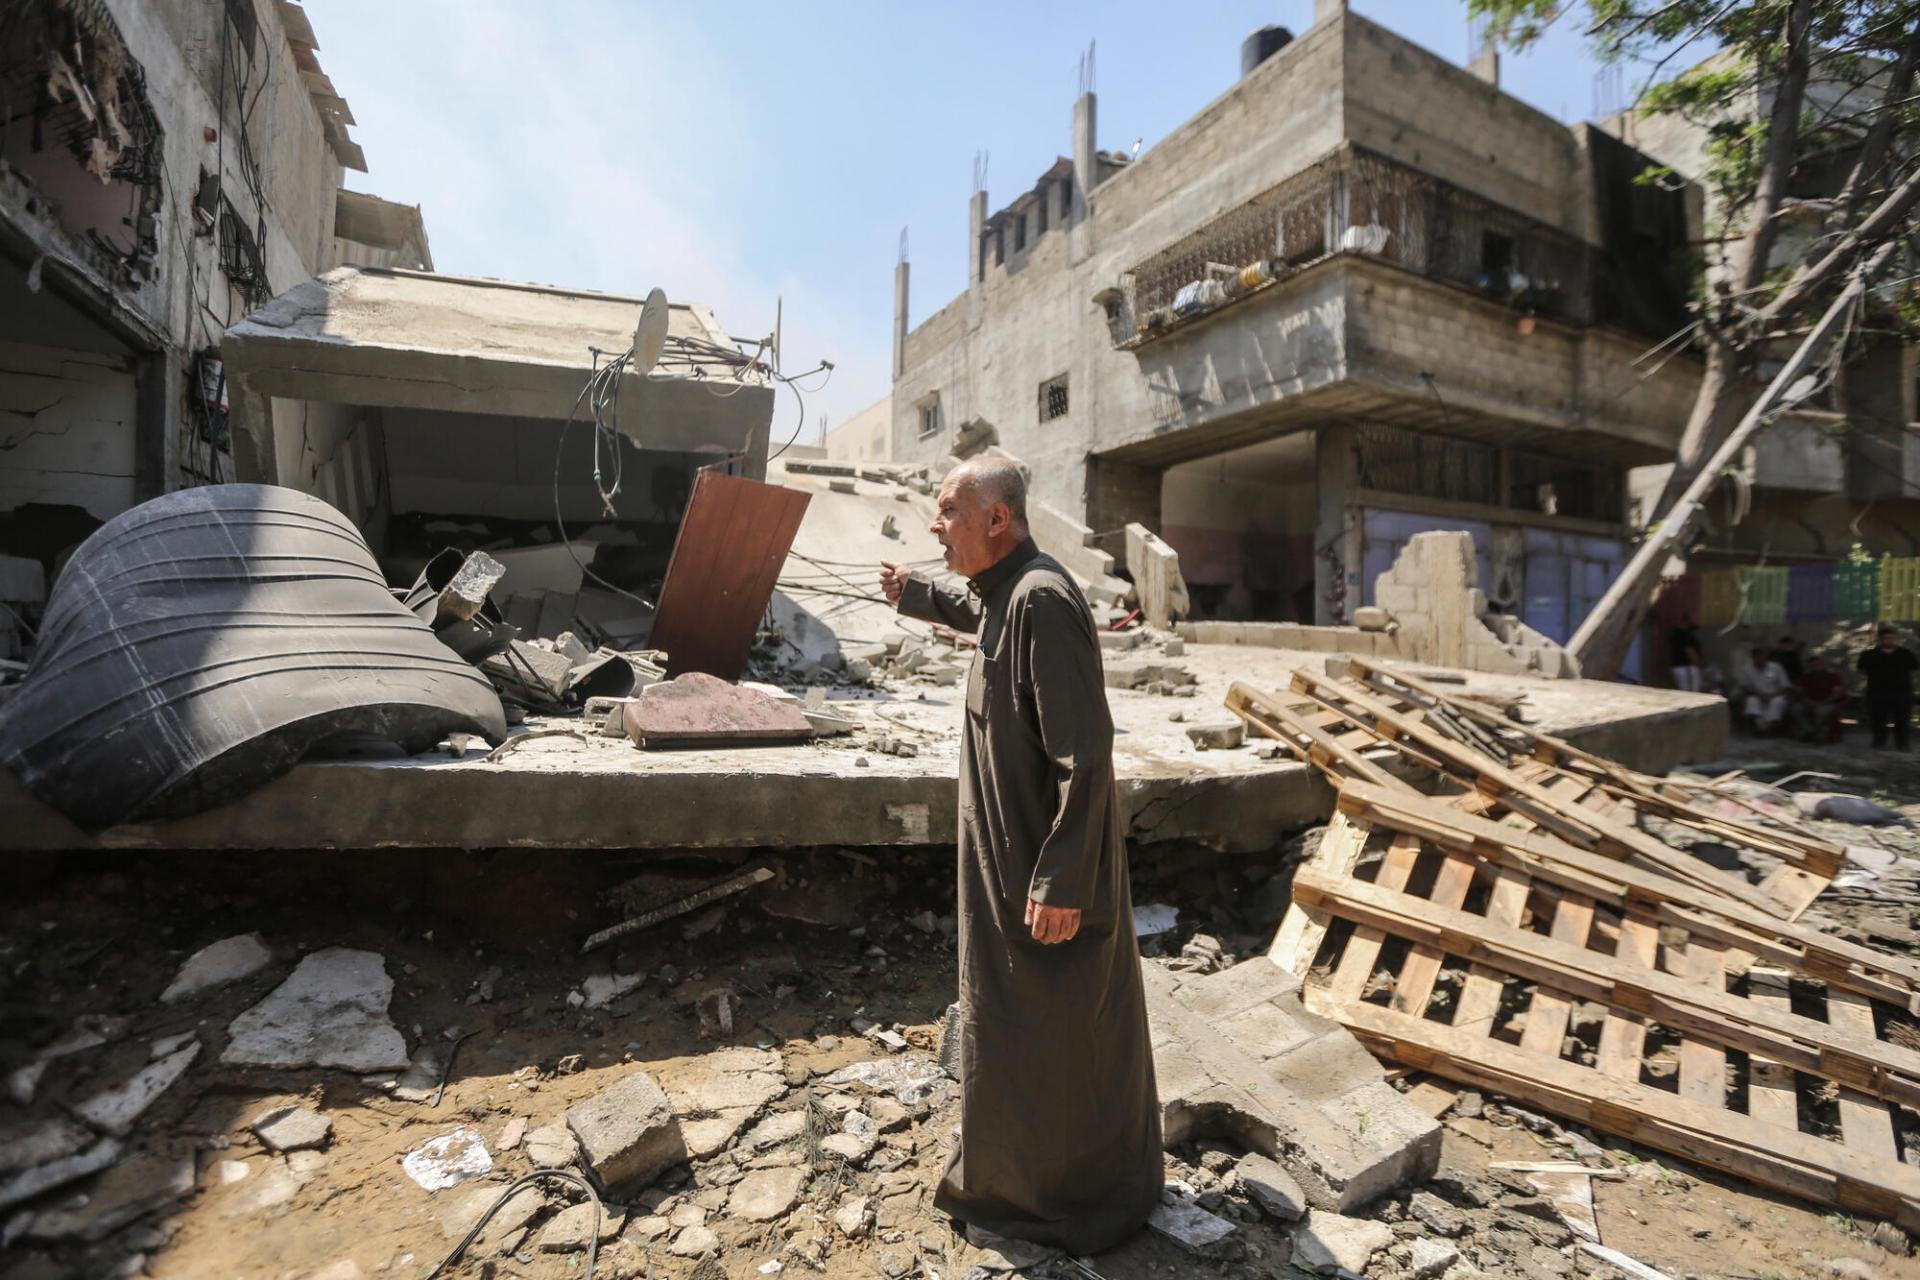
165	166
1362	294
188	295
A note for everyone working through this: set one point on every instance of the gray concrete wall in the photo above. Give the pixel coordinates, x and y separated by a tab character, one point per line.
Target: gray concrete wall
865	437
66	429
111	447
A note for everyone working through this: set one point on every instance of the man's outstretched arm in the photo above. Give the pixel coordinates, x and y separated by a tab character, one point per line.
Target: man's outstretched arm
918	597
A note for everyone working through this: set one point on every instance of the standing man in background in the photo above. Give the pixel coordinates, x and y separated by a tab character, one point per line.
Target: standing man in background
1060	1120
1888	668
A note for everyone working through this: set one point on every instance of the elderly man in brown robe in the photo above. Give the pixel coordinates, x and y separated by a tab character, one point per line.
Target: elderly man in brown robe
1060	1121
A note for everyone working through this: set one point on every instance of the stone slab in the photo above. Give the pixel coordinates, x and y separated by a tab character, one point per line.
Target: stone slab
1344	1143
330	1012
217	964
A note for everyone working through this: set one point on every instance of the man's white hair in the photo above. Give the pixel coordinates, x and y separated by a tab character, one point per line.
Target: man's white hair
994	480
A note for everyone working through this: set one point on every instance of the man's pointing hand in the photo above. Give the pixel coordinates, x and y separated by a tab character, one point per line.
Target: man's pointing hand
1052	924
893	579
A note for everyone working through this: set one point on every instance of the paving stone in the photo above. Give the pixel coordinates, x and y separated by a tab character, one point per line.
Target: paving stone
710	1135
776	1130
330	1012
694	1242
218	964
568	1231
552	1146
1327	1242
628	1134
114	1110
1271	1187
766	1194
292	1128
850	1147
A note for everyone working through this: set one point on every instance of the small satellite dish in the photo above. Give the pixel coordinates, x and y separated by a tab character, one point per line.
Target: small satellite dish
651	337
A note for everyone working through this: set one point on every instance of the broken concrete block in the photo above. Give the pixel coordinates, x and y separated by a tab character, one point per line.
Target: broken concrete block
504	1228
1174	648
552	1146
292	1129
776	1130
568	1231
217	964
1271	1187
131	1189
694	1242
1119	641
628	1134
731	1078
469	587
601	989
766	1194
854	1217
1185	1223
1426	1258
1328	1242
828	724
114	1110
1220	736
1436	1214
330	1012
850	1147
448	1160
1372	618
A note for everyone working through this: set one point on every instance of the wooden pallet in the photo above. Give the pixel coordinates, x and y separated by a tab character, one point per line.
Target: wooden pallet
1809	862
1726	1036
1371	724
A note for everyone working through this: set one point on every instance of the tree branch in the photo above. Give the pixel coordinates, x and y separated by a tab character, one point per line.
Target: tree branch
1783	135
1812	276
1873	150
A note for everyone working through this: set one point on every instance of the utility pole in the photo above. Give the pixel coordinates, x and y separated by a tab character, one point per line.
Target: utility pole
1604	635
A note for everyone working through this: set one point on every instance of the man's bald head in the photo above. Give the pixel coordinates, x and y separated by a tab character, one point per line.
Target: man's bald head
991	480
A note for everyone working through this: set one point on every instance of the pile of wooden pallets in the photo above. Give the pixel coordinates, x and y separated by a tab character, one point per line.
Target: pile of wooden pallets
1523	931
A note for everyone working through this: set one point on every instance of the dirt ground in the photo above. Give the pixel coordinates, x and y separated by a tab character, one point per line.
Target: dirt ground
485	948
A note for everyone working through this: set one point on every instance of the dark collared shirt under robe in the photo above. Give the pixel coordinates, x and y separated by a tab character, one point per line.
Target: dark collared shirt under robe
1060	1121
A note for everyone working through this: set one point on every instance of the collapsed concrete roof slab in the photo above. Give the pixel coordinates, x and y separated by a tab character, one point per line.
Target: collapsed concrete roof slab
392	338
600	793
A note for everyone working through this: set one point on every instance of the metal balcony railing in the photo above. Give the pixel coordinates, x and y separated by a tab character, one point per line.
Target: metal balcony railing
1353	202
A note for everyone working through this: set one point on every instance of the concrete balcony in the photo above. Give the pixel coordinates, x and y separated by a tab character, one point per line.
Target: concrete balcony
1357	339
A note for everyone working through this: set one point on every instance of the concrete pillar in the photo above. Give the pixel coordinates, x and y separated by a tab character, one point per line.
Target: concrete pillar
976	239
1120	494
157	394
1085	175
1323	10
250	425
1336	526
1876	394
900	318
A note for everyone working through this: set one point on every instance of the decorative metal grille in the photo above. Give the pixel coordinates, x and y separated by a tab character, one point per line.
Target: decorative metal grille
1417	462
1053	398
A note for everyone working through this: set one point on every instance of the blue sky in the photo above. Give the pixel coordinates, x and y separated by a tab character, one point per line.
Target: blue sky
761	151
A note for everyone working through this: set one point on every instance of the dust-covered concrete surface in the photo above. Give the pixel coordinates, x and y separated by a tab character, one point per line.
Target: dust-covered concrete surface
577	789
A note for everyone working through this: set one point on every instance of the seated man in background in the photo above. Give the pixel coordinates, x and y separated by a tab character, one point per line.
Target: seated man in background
1816	712
1763	689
